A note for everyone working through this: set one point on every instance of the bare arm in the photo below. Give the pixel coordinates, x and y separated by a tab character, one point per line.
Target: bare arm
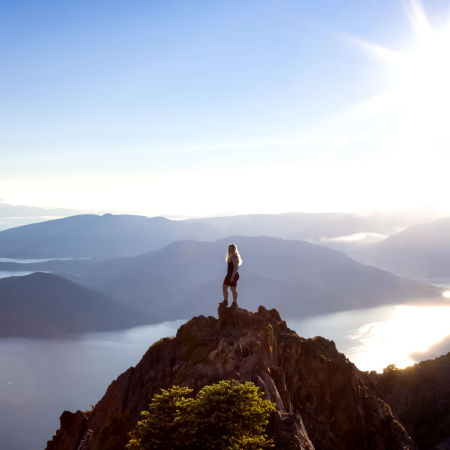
235	267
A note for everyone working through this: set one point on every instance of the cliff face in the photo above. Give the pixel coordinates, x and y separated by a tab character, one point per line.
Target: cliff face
420	396
323	401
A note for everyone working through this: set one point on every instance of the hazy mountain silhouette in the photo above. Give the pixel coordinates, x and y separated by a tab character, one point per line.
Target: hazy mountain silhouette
299	300
7	210
284	226
341	231
302	278
421	251
45	305
387	222
125	235
72	266
92	235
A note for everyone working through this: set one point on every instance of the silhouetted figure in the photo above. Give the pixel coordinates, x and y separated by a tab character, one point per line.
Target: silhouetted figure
233	260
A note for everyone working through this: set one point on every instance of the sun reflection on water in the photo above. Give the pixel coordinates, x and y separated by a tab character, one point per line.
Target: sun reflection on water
409	329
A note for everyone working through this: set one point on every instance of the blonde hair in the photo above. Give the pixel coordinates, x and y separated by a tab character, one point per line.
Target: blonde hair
230	255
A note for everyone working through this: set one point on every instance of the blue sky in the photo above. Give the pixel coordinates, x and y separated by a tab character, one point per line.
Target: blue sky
201	107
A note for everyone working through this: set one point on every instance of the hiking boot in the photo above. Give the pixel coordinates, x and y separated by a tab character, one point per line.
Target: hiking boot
224	303
234	305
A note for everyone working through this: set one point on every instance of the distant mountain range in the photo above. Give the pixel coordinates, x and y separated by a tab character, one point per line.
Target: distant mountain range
15	215
7	210
342	231
90	235
421	251
296	277
174	269
48	306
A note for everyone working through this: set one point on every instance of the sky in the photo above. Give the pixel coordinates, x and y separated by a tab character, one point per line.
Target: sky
202	107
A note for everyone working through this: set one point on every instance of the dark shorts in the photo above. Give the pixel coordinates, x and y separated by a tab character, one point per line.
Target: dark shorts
233	283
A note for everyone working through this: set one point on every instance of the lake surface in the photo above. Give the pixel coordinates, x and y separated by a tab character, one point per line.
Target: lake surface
441	282
24	261
40	379
21	273
373	338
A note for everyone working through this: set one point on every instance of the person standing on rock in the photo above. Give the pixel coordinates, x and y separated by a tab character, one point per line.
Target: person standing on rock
233	260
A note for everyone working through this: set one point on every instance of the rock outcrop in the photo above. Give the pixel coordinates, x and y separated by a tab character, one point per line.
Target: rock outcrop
323	401
420	396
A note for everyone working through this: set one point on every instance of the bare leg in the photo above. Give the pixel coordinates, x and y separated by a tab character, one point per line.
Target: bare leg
225	292
235	294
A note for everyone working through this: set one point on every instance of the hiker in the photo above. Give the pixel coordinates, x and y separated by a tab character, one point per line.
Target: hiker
234	260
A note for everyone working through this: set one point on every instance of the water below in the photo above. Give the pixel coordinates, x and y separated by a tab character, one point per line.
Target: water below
24	261
375	337
20	273
40	379
441	282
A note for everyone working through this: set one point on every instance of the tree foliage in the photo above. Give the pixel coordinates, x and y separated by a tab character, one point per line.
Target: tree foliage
169	422
223	416
389	378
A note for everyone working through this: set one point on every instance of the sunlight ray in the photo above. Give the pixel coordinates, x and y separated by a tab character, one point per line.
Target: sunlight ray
418	18
383	53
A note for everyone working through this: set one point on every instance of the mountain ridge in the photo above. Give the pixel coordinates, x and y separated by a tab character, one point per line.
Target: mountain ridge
420	396
91	235
421	251
183	269
322	400
47	306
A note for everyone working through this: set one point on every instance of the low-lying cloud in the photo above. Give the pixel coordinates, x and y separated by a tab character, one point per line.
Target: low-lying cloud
367	238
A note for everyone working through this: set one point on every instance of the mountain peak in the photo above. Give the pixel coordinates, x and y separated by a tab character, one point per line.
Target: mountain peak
322	400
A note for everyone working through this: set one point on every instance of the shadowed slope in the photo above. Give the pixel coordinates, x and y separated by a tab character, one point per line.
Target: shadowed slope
44	305
305	278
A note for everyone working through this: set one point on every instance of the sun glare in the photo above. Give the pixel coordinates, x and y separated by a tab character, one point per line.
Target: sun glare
421	87
446	294
425	73
409	329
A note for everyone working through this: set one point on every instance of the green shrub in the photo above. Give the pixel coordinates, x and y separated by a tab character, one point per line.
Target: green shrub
232	416
195	350
223	416
115	433
168	423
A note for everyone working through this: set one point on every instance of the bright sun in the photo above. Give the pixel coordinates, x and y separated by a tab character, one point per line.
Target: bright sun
422	87
425	74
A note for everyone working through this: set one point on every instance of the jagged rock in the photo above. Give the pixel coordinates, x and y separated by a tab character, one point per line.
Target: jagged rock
323	401
420	396
71	432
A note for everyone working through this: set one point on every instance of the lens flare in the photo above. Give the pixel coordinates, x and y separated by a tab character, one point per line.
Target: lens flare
421	88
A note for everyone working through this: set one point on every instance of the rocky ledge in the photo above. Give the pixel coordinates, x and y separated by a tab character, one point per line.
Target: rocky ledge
323	401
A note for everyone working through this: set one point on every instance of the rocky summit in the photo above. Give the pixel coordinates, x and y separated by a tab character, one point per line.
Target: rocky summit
323	401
